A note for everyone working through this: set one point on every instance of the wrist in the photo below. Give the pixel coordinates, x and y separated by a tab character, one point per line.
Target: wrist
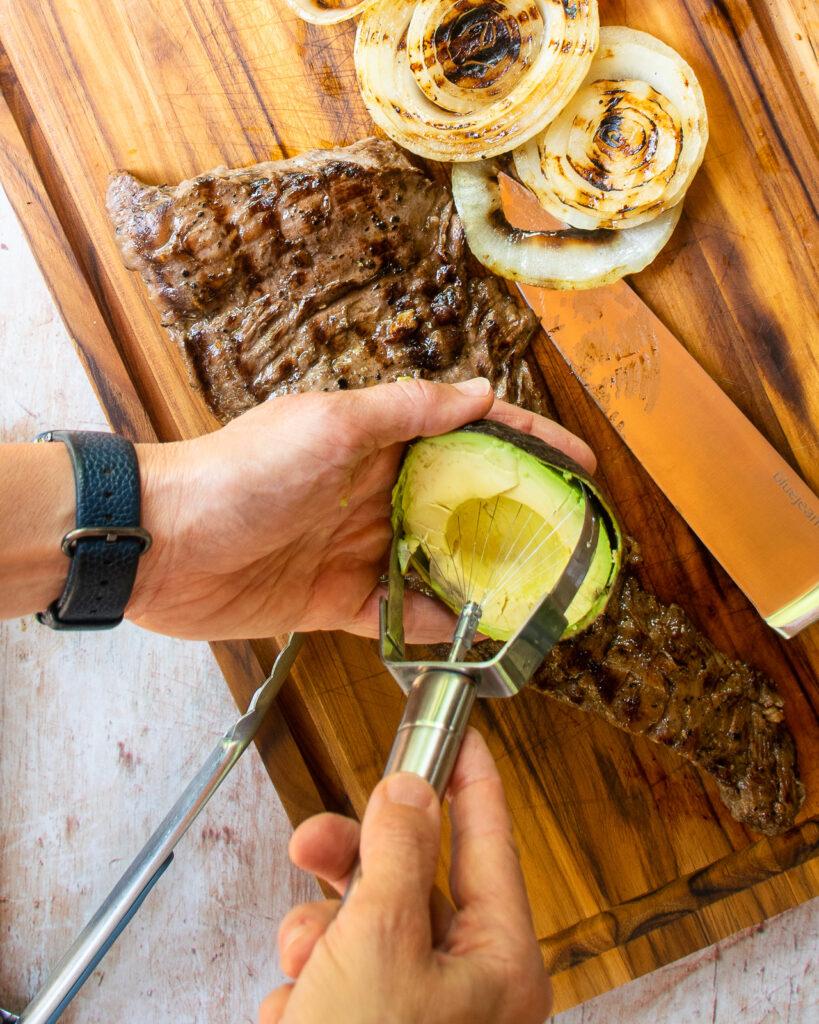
107	541
161	485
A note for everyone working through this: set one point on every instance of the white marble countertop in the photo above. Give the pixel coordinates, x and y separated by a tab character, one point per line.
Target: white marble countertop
100	733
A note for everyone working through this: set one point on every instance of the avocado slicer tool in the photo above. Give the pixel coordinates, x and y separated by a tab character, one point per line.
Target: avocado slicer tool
91	945
440	694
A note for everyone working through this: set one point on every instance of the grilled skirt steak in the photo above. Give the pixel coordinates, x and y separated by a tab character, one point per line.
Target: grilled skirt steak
335	269
340	268
645	668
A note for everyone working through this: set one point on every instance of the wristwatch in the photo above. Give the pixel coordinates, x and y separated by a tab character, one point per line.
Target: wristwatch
105	546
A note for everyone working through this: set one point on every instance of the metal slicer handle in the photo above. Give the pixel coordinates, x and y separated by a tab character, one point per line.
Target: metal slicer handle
430	734
432	729
438	706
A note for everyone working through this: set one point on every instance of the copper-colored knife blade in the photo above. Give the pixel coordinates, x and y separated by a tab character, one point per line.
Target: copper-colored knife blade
746	504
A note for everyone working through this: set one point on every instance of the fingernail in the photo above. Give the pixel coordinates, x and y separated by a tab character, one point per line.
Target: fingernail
294	934
409	789
476	386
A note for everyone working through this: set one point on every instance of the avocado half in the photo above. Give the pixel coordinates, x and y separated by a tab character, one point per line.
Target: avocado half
490	514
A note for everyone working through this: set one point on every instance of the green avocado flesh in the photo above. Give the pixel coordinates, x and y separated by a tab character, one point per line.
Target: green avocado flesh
483	520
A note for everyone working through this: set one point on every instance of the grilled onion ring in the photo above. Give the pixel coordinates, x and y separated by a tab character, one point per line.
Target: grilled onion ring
549	259
627	145
466	79
319	13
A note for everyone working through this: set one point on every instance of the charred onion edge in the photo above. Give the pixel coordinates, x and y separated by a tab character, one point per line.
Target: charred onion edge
414	122
428	37
541	163
317	13
565	259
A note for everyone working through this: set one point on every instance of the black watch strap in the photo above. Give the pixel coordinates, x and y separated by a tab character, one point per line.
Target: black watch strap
105	546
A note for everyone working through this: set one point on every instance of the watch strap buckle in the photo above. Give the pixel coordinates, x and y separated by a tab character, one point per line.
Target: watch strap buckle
103	559
111	534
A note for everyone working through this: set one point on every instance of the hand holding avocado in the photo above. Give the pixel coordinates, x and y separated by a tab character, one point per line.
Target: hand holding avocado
393	952
281	520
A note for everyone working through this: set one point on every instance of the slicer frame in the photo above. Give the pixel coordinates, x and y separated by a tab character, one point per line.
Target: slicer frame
512	667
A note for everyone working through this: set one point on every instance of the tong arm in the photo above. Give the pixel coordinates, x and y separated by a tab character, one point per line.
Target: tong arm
125	898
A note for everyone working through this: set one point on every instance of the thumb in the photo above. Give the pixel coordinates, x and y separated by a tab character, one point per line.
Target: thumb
400	842
397	412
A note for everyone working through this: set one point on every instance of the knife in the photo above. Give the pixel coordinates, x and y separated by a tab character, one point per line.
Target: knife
757	517
126	897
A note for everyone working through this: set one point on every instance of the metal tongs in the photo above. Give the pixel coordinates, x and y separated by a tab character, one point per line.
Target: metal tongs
126	897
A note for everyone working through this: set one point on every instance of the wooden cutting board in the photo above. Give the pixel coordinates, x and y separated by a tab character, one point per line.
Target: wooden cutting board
630	857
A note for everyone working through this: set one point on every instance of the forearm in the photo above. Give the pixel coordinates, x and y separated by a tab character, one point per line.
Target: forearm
278	521
168	488
37	510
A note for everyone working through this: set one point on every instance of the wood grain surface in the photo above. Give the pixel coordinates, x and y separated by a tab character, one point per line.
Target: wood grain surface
101	731
605	821
229	876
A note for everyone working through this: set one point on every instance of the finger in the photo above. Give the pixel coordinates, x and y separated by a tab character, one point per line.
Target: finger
485	875
441	913
547	430
400	841
327	846
426	620
300	930
273	1006
390	413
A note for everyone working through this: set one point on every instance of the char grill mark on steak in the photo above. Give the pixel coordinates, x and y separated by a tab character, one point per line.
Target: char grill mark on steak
336	268
644	667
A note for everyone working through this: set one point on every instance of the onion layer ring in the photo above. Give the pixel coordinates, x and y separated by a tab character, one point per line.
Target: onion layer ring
320	13
460	80
549	259
627	145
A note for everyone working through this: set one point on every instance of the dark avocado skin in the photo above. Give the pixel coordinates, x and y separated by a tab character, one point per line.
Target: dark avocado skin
534	446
